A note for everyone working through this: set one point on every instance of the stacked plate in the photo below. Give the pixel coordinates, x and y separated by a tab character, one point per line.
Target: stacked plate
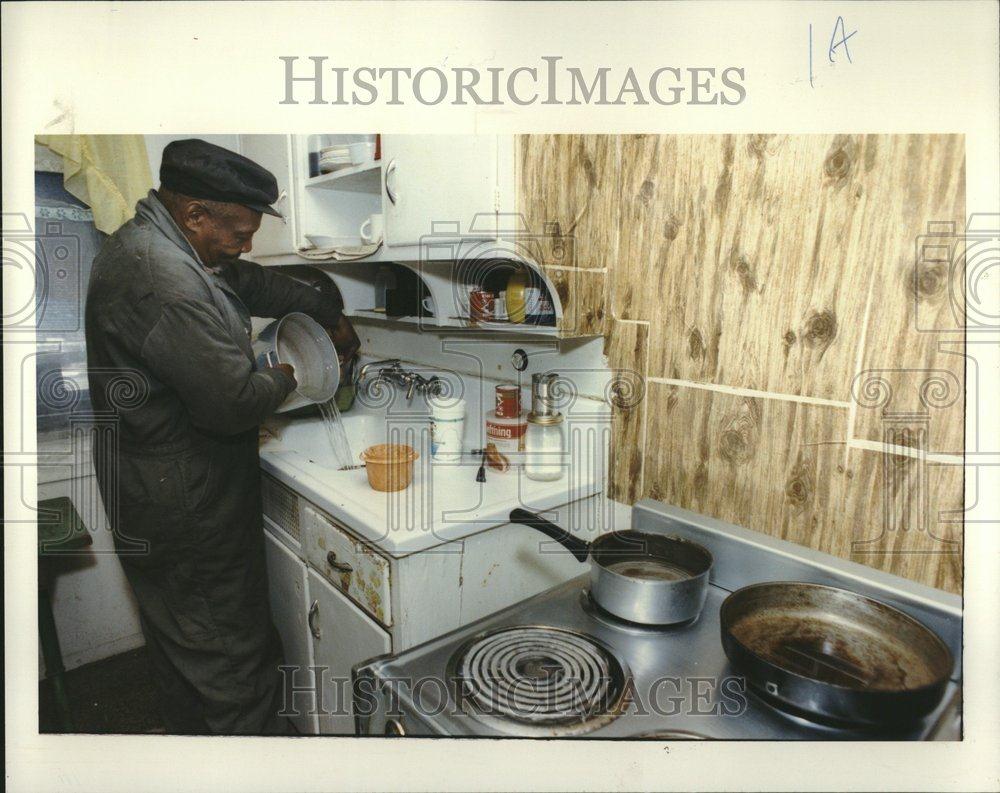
331	158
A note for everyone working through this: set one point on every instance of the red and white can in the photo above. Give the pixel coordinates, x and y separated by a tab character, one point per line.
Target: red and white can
508	401
507	434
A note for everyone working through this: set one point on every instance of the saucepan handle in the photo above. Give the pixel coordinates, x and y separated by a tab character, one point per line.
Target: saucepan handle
579	548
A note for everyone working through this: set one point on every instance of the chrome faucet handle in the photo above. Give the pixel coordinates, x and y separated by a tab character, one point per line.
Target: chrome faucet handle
362	373
434	386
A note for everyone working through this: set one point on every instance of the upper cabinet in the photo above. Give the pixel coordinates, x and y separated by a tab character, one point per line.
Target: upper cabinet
439	186
274	152
464	211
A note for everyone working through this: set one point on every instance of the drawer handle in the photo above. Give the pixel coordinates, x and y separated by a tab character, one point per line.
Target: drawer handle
313	611
340	567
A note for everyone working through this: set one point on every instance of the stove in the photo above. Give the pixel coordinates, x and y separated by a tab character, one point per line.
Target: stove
557	665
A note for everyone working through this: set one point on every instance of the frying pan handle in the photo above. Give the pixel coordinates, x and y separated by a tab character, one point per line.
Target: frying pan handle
579	548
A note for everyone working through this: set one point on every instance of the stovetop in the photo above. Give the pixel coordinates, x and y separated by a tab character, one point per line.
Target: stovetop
677	681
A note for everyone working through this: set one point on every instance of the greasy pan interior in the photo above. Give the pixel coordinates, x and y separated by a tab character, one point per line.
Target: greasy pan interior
836	637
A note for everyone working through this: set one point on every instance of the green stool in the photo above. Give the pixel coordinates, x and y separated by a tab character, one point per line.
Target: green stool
61	533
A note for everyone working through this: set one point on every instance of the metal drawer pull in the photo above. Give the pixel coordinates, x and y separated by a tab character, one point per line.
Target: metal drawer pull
313	611
340	567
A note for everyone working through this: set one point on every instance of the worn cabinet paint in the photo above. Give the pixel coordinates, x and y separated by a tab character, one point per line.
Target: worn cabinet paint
353	567
427	594
342	636
509	564
286	575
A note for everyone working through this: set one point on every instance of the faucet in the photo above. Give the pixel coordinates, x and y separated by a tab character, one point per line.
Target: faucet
392	371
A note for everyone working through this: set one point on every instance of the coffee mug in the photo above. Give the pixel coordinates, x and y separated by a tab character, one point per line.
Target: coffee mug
372	229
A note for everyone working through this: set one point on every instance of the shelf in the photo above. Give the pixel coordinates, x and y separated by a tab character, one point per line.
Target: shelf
364	178
454	323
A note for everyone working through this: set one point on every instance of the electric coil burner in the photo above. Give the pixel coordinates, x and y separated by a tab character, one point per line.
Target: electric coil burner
547	681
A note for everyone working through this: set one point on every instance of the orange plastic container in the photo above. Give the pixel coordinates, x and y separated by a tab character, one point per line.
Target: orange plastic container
389	466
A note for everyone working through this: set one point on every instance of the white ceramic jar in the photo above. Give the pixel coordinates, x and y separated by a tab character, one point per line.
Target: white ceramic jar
448	431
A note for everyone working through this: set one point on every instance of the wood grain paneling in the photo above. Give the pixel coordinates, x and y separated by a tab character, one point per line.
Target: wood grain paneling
797	266
626	350
583	296
567	189
762	249
771	465
917	294
906	516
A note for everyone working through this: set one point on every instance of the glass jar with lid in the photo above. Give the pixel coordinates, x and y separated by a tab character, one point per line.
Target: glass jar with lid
543	440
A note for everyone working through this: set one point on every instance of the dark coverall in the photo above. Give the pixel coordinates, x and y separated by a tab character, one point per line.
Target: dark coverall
170	359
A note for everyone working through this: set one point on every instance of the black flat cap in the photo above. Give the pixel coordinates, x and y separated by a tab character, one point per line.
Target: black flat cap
200	169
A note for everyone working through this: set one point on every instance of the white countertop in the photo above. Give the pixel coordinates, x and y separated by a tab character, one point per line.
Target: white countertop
443	503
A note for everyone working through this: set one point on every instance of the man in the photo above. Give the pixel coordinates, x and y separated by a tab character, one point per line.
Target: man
168	310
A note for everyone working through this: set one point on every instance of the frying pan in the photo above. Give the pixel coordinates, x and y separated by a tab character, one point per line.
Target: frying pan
833	655
646	578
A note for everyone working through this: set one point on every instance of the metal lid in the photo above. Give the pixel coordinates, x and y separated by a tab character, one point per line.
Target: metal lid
545	418
541	394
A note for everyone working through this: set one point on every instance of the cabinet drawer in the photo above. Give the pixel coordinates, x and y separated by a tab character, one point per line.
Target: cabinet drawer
348	564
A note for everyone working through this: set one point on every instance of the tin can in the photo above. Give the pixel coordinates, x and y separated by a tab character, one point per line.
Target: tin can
507	434
508	401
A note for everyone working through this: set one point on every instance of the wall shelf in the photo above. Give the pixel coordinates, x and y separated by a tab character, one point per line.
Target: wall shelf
454	323
364	178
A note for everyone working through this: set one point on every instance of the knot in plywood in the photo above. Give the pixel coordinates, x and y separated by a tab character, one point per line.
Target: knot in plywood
820	330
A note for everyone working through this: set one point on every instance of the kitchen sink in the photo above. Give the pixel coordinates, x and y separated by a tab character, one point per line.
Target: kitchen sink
307	437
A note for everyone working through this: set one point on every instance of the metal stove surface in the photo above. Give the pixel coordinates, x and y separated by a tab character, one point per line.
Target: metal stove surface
680	680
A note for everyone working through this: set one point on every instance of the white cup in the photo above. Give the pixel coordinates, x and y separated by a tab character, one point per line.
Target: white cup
372	229
428	304
361	152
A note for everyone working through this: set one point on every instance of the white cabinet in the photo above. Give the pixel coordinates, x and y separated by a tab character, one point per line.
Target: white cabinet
427	187
342	636
286	575
434	184
275	152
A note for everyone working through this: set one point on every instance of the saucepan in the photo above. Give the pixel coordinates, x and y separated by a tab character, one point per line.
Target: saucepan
652	579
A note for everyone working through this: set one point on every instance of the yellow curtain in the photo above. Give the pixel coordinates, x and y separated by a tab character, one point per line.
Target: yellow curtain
109	173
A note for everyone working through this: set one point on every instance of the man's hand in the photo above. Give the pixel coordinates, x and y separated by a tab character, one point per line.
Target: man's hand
288	369
345	339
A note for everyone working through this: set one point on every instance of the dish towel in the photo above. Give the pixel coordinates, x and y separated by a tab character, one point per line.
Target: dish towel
108	173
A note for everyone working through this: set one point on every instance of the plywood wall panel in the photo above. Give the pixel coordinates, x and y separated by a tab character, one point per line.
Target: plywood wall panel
788	268
626	350
567	188
908	384
767	277
771	465
583	296
906	516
